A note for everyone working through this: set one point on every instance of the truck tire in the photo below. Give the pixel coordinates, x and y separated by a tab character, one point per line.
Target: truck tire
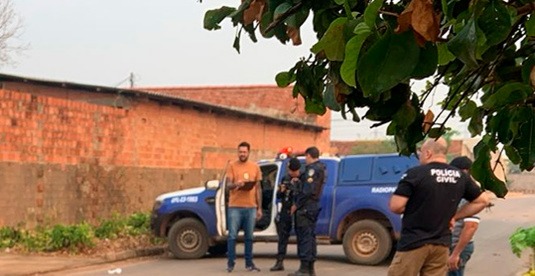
219	249
188	239
367	242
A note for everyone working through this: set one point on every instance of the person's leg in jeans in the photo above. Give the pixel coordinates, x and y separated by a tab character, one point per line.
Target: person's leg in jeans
234	222
249	220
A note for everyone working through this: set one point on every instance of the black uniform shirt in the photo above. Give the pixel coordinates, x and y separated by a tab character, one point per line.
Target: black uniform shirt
311	184
434	190
286	197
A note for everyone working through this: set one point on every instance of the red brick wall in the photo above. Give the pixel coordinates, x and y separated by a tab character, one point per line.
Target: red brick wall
264	99
64	160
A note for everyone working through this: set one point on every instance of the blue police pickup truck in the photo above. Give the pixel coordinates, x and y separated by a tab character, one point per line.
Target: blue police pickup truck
354	209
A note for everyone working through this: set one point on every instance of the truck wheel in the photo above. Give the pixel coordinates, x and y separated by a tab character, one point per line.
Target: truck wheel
188	239
367	242
218	249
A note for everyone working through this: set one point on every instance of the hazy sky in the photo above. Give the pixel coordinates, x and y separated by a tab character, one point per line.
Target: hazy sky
162	42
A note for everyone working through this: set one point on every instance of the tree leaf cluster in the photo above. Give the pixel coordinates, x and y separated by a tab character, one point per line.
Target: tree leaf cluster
370	53
521	239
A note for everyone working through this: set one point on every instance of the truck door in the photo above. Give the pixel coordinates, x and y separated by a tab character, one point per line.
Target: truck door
326	201
268	184
221	208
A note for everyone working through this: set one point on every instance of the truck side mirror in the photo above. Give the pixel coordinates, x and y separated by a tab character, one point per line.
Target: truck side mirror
212	184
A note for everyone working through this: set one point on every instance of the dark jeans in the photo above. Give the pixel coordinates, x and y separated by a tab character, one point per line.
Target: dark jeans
465	256
240	218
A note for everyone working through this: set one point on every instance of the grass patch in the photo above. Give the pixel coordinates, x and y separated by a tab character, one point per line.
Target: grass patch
76	237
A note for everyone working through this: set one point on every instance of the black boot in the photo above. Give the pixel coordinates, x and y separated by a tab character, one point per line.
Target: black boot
278	265
311	270
303	270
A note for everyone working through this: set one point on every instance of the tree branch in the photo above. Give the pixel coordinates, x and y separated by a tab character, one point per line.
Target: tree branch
389	13
498	160
527	8
283	17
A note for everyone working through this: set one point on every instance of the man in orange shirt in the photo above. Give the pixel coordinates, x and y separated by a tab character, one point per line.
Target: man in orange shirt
244	206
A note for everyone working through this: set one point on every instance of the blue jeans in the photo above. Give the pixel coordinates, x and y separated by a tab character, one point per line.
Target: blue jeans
245	219
465	256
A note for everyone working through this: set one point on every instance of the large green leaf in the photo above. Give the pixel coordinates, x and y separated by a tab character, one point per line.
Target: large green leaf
527	67
467	110
370	14
281	9
405	115
512	154
464	44
525	140
389	61
510	93
212	18
444	55
427	63
482	171
237	16
482	45
530	25
500	123
284	79
329	98
495	22
297	19
475	127
349	66
332	42
436	132
313	106
516	119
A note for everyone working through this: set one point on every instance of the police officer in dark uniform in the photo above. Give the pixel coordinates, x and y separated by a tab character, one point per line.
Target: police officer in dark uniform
306	208
284	216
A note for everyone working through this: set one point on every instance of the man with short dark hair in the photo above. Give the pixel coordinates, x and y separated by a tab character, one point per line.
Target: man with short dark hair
244	206
427	196
306	208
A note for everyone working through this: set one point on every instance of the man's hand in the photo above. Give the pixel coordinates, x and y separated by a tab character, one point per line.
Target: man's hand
293	209
239	184
453	261
258	214
452	224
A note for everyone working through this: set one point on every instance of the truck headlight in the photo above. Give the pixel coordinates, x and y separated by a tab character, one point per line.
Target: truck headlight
157	205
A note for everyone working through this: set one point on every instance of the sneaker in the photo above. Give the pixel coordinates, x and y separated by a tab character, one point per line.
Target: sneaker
253	268
230	268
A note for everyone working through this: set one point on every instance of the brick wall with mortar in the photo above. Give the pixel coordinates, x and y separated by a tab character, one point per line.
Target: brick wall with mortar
65	160
266	99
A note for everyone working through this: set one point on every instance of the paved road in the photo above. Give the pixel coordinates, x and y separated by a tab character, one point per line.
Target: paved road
492	257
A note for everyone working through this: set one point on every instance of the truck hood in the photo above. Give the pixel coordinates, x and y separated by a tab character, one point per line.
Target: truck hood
192	191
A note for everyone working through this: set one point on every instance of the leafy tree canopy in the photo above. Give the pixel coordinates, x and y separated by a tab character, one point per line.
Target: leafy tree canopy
369	53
